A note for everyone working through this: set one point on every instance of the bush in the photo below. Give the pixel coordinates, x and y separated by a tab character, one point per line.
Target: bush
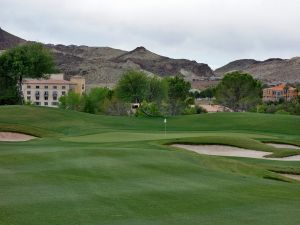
148	109
194	110
200	109
116	107
282	112
189	111
271	109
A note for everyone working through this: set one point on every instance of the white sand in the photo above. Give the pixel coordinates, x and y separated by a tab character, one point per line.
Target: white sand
291	176
223	150
11	136
283	146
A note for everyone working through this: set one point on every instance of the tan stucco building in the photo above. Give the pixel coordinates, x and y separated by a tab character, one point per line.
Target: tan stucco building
281	91
46	92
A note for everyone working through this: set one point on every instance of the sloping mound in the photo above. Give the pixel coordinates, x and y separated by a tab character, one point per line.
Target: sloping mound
14	137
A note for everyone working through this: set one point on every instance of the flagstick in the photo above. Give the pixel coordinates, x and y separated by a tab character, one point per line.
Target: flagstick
165	121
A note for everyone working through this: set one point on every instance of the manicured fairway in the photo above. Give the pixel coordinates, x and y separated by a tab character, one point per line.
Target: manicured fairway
89	170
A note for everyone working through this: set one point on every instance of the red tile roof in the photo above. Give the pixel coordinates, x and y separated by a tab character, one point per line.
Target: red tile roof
280	87
46	81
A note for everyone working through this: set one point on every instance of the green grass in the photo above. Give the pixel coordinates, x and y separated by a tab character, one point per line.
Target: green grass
92	169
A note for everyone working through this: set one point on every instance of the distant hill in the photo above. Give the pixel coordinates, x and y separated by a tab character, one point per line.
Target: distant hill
8	40
104	65
275	69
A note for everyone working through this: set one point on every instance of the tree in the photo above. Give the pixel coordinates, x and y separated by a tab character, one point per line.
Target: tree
133	87
158	90
95	99
286	89
207	93
178	92
72	101
239	91
25	61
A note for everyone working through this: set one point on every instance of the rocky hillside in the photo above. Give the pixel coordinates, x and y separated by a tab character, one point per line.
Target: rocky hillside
284	70
104	66
8	40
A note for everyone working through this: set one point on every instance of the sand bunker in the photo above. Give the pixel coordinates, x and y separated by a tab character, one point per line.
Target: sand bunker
283	146
11	136
291	176
223	150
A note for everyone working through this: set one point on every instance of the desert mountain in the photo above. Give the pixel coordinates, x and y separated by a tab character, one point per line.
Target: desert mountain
8	40
284	70
104	66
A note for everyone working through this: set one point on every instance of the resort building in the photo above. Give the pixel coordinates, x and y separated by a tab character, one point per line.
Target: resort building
281	91
46	92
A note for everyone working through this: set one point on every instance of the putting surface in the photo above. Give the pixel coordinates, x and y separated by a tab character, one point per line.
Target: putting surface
90	170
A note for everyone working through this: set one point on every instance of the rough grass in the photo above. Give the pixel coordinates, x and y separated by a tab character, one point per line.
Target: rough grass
89	169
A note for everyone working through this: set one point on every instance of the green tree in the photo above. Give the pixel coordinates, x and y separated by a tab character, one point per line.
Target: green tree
178	92
239	91
25	61
72	101
133	87
285	90
95	99
158	90
207	93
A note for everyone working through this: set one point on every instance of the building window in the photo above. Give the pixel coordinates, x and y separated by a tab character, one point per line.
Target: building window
82	87
28	98
45	103
28	86
54	87
37	95
54	103
63	87
37	103
46	87
29	92
37	87
46	94
63	93
54	95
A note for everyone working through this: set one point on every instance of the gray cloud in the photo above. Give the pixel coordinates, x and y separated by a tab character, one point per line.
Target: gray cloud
210	31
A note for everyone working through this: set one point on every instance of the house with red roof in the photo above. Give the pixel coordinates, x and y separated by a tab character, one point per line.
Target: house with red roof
281	91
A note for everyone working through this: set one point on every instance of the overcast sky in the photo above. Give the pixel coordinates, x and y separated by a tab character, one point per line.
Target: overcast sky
210	31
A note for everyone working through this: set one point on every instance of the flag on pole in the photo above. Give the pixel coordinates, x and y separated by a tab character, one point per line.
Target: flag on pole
165	121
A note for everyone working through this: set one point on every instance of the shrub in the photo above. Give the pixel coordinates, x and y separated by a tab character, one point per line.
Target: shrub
116	107
282	112
148	109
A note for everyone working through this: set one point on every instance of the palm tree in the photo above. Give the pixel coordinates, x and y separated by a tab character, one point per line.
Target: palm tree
285	89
